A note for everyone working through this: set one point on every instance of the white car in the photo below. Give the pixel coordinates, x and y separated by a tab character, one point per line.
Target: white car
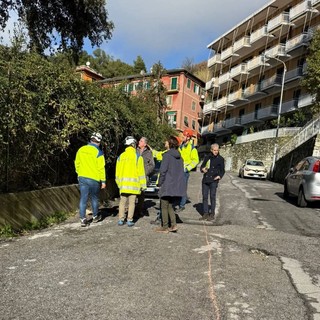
253	169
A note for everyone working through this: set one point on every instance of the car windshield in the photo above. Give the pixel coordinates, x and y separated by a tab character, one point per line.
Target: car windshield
254	163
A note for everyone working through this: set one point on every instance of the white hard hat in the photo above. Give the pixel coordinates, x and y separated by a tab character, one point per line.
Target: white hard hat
96	136
130	140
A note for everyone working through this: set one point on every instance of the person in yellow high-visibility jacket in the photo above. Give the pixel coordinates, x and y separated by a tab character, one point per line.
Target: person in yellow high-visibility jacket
190	158
130	179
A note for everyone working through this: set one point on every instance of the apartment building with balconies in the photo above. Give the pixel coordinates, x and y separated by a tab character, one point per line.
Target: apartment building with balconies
245	87
183	91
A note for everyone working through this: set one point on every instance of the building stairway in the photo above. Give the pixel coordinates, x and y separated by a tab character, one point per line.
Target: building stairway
311	129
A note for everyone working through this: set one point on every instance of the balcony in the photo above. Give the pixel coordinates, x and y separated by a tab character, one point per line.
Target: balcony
277	51
242	45
289	106
298	12
221	103
280	20
225	54
250	118
267	113
305	101
220	128
233	123
208	107
272	84
237	71
237	98
254	64
224	79
254	91
216	59
259	37
295	74
213	83
298	42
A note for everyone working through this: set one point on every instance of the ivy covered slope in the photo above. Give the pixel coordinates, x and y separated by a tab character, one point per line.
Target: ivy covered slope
47	112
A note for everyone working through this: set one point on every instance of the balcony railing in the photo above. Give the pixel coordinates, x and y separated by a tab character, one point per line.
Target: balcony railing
225	54
239	69
208	107
215	59
252	90
213	83
237	95
301	39
249	118
289	106
243	42
268	112
275	80
224	78
258	34
300	9
256	62
295	73
315	2
221	102
276	51
305	100
232	122
281	19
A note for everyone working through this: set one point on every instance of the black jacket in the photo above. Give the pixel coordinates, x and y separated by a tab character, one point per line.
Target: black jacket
215	169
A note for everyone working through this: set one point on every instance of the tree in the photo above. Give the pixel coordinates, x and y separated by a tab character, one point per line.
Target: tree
312	78
72	20
139	65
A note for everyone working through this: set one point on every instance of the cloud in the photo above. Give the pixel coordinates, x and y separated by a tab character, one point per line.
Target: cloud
171	31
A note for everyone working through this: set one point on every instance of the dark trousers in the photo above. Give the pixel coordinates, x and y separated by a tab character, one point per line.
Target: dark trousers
209	188
167	211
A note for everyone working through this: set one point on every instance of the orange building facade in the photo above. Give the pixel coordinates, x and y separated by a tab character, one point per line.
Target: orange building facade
184	94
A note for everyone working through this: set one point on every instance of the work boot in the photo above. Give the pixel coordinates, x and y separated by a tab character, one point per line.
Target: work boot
211	217
204	217
161	230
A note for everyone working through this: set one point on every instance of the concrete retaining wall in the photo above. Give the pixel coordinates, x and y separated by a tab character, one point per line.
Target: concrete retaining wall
17	209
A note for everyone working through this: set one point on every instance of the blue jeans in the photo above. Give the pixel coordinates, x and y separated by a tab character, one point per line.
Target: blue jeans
212	187
88	187
183	200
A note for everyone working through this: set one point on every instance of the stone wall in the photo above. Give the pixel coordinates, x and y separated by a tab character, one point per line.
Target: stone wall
263	150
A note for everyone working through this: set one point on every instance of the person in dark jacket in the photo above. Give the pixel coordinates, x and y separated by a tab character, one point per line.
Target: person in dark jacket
146	154
213	169
172	185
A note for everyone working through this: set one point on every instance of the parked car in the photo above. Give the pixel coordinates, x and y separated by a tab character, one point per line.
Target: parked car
152	188
303	181
253	169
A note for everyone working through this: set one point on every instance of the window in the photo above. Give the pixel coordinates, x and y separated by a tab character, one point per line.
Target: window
130	87
174	84
186	121
241	113
169	100
193	106
189	83
146	85
196	88
172	119
193	124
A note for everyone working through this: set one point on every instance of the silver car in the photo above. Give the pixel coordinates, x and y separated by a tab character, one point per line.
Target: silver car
303	181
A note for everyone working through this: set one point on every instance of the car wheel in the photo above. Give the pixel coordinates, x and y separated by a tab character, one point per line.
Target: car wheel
302	202
285	192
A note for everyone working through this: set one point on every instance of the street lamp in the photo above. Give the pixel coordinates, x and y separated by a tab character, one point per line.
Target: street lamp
275	150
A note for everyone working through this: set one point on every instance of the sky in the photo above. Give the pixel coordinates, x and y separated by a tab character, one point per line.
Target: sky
169	31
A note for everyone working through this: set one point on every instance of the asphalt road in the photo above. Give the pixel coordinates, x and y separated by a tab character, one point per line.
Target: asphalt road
249	264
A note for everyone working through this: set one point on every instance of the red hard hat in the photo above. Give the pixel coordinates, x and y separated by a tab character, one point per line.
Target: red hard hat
187	132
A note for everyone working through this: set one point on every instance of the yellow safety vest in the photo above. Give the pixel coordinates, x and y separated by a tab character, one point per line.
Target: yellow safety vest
189	155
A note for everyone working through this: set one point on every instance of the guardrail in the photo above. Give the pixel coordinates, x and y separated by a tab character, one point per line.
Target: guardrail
308	131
